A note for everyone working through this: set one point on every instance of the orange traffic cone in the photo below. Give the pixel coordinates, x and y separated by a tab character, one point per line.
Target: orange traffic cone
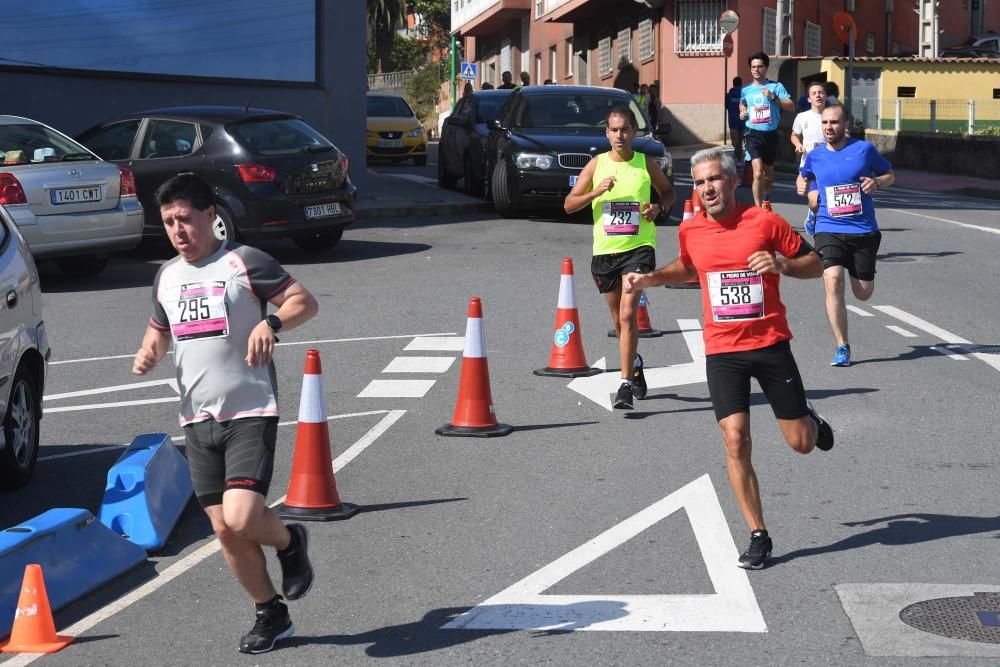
567	358
645	327
689	211
34	630
312	489
474	412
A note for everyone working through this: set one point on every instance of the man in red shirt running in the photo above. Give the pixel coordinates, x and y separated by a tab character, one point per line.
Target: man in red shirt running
738	254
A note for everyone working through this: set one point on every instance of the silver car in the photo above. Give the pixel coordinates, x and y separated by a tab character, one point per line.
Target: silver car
24	355
69	204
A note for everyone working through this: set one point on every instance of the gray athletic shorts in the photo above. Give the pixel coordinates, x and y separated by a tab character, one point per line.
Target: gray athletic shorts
235	454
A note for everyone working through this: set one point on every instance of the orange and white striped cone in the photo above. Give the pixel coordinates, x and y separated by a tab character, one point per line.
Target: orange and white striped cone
645	327
689	212
474	412
567	358
312	488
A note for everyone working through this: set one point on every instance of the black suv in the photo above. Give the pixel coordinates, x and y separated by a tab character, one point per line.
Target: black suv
273	175
544	137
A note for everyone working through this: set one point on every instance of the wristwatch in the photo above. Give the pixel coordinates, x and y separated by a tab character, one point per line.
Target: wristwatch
274	322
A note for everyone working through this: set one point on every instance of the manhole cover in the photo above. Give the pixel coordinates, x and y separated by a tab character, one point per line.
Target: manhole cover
973	618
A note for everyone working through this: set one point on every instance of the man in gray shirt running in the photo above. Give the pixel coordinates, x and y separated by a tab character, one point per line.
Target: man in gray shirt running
211	301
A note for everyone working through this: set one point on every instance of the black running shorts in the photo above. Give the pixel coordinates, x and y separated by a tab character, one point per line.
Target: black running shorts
854	252
607	270
763	145
235	454
774	369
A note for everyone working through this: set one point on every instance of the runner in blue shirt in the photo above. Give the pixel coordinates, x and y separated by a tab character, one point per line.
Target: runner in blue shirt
761	104
840	177
736	126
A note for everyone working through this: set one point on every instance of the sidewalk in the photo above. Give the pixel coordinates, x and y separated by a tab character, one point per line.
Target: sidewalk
400	195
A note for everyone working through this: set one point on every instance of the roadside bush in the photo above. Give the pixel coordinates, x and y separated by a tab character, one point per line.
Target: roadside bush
424	89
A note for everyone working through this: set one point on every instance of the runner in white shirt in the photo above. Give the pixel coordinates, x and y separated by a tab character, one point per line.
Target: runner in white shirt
807	134
211	302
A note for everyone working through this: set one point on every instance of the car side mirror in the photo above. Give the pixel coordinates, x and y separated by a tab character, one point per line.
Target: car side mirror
663	129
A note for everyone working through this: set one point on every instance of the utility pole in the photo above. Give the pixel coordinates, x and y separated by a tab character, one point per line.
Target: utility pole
927	12
785	19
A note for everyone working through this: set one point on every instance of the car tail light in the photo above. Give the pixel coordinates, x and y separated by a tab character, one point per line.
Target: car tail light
11	191
127	187
344	160
255	173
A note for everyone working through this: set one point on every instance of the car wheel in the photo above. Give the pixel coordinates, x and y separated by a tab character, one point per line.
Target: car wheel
82	266
223	227
420	161
445	180
473	185
20	429
502	199
320	242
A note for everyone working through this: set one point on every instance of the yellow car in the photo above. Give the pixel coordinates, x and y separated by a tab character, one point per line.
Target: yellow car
394	133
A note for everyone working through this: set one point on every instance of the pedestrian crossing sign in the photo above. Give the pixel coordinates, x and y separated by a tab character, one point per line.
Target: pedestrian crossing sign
469	71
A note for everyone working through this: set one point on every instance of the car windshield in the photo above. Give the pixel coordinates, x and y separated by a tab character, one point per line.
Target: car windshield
279	136
489	108
30	143
564	110
386	105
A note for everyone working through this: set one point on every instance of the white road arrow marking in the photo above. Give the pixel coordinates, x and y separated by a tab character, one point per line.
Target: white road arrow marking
599	388
732	608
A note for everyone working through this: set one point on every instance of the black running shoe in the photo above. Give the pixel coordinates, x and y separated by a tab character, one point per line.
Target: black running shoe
623	399
272	625
638	379
296	571
758	551
824	433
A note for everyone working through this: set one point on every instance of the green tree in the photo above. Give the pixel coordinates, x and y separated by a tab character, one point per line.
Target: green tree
435	16
384	18
423	91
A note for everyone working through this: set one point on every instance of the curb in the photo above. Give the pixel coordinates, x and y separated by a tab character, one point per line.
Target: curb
422	209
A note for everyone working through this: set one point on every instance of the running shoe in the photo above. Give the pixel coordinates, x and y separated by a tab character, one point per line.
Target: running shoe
638	379
810	224
271	626
842	357
824	433
623	399
296	571
758	551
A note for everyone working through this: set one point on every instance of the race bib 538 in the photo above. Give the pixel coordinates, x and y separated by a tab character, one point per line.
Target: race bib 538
736	295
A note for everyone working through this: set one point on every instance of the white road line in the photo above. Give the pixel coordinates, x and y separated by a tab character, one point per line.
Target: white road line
419	365
305	342
116	404
901	331
397	389
980	228
859	311
196	557
991	358
97	450
417	178
951	354
429	344
108	390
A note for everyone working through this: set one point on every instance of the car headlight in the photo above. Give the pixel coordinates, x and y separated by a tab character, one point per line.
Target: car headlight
532	161
416	132
665	163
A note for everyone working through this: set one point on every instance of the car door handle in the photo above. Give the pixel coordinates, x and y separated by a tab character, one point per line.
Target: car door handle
11	298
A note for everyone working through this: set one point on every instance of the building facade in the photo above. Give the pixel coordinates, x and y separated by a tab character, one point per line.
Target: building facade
678	44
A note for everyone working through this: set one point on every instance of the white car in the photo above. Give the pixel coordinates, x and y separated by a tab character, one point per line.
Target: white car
70	204
24	356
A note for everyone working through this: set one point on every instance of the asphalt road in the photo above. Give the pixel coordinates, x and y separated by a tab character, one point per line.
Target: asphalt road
907	497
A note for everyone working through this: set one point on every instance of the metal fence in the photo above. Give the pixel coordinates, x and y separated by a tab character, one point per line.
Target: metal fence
390	79
926	115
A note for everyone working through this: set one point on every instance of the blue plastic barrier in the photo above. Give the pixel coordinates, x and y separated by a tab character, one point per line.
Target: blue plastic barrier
77	554
147	490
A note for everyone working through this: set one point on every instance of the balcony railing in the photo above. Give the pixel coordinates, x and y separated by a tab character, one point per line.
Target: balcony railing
390	79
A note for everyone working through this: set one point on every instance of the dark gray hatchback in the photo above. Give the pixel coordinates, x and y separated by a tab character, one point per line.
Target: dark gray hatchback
273	175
